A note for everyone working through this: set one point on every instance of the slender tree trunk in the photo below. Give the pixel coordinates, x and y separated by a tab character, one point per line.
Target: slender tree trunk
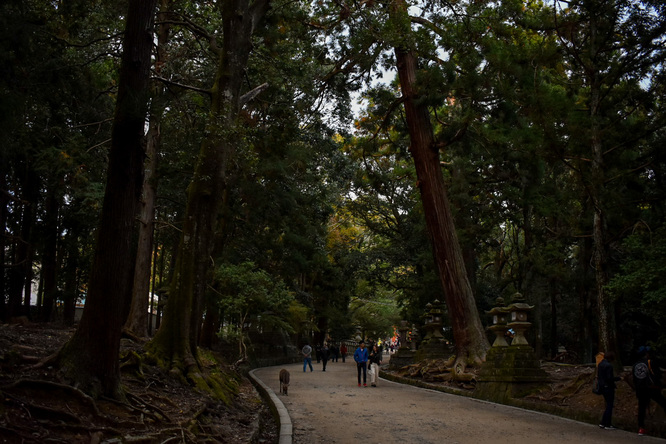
137	320
49	254
15	279
70	268
4	202
210	326
554	343
605	306
470	340
176	340
586	334
90	358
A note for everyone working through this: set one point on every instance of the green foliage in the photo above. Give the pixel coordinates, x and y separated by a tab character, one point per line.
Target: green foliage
253	298
640	285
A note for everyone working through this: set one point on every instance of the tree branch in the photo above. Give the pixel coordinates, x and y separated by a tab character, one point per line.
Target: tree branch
181	85
250	95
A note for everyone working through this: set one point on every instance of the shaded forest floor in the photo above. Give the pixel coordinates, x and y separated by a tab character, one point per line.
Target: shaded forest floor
37	407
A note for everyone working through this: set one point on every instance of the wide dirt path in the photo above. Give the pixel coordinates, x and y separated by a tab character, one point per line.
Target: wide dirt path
329	407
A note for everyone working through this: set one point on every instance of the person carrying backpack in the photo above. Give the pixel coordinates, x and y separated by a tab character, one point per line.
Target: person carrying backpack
607	385
647	382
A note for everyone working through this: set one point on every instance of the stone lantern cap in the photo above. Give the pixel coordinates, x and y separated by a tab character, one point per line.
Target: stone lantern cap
436	310
519	304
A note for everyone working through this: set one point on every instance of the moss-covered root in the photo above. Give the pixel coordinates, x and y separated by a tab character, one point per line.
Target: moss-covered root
205	375
223	387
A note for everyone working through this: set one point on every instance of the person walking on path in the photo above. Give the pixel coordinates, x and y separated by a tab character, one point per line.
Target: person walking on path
307	356
334	352
647	382
343	351
324	355
607	384
375	359
361	358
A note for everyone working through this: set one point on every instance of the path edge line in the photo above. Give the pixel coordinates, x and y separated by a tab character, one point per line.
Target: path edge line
278	409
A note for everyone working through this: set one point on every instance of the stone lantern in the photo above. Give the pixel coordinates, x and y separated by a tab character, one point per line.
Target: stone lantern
518	312
499	315
404	329
414	339
436	320
427	321
515	371
404	355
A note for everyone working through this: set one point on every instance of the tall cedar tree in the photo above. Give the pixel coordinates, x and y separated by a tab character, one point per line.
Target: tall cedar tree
470	340
90	357
611	47
137	320
176	340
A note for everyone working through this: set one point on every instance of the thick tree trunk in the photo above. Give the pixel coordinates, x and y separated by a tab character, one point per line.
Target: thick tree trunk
470	340
176	340
138	318
90	358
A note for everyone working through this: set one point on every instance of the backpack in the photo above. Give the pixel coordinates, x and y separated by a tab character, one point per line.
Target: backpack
596	388
643	375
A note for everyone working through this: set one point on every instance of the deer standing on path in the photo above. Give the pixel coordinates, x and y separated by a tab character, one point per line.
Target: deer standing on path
284	381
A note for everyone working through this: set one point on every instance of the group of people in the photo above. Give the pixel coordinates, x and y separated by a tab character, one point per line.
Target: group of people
645	378
367	361
323	352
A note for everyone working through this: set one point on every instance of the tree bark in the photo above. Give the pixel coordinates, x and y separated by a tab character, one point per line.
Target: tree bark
4	202
470	340
90	358
49	257
138	318
605	306
176	340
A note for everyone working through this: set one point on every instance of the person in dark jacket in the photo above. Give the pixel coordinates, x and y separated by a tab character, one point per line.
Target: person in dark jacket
324	352
607	384
374	361
647	382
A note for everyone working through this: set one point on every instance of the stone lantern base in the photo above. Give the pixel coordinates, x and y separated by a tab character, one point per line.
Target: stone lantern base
404	356
509	372
433	349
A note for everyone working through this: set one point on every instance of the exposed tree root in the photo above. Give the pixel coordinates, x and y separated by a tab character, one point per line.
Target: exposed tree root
148	406
439	370
42	412
42	385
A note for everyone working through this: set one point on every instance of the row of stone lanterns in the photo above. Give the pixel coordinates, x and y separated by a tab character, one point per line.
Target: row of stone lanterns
509	370
512	317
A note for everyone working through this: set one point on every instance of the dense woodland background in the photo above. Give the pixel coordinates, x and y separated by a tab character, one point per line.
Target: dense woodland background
279	185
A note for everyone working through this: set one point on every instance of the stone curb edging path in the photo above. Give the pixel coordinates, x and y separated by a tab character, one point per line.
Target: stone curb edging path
277	407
